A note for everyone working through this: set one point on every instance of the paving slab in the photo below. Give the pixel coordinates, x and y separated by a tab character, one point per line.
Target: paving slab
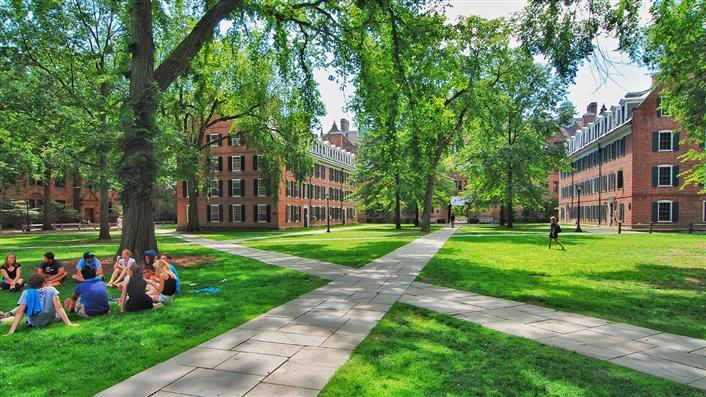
520	329
675	342
202	357
148	381
321	319
578	319
692	360
699	384
252	363
357	327
608	342
301	375
700	352
358	314
378	307
269	323
230	339
514	314
624	331
168	394
307	329
661	367
479	318
340	341
559	326
271	390
582	348
274	349
214	383
292	339
325	357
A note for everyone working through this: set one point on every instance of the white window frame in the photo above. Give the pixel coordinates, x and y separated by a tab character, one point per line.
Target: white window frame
214	161
671	175
187	213
217	213
259	207
671	211
233	184
213	139
211	188
671	141
261	189
662	110
233	163
240	213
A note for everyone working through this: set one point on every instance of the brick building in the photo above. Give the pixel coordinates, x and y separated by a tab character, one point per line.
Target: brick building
238	196
67	192
626	167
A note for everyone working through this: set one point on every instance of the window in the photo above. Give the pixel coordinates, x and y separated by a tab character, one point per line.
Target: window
664	175
235	188
664	211
620	179
214	213
704	213
187	213
216	164
665	141
213	188
236	163
262	213
662	107
621	212
60	182
213	139
261	188
237	212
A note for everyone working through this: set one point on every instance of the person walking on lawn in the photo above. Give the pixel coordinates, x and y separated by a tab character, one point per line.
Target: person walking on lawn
554	230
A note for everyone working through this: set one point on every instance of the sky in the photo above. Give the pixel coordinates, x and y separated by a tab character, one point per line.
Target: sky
589	86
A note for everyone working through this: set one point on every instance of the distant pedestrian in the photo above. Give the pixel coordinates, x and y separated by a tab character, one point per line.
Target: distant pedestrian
554	230
453	219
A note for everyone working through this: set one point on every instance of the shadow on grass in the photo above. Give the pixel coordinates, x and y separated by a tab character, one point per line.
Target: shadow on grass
414	352
660	297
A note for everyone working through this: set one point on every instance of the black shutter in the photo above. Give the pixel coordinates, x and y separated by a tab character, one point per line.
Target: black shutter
254	162
230	140
220	188
230	213
675	175
242	188
655	175
675	141
254	184
208	213
268	190
654	212
242	163
220	163
220	212
659	103
184	189
655	141
675	212
230	163
269	218
242	212
220	141
230	188
255	213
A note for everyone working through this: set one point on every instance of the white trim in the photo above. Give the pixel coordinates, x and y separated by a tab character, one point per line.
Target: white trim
261	188
671	175
214	159
211	188
671	141
232	187
232	164
211	139
240	208
258	213
218	214
671	210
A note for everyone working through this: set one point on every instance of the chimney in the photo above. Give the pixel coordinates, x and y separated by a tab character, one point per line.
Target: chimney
344	125
592	108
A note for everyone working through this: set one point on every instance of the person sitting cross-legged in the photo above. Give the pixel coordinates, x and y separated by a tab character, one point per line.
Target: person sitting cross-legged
52	270
88	260
90	298
121	268
133	297
168	258
165	289
40	303
11	274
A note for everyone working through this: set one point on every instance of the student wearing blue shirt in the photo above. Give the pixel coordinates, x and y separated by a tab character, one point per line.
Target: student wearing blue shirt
90	298
89	259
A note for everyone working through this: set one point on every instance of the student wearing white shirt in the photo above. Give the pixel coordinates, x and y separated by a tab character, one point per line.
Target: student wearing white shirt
121	268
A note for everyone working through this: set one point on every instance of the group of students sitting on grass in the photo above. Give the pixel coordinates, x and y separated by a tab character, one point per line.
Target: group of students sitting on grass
142	287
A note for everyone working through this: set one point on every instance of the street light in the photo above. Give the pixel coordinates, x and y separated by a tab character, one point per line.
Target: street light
27	205
328	215
578	221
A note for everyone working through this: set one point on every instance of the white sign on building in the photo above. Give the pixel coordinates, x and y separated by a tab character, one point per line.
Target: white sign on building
456	200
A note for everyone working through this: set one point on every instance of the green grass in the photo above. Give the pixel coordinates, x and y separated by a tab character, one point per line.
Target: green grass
414	352
656	281
355	247
55	361
243	234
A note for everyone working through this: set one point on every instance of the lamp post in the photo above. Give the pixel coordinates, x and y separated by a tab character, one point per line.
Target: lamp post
27	207
328	215
578	220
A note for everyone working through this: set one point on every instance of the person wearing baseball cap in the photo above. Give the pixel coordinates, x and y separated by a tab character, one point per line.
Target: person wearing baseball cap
89	260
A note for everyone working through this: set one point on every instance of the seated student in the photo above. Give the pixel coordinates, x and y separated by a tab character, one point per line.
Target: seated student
168	258
88	260
133	297
40	303
90	298
52	270
11	274
165	289
121	268
148	271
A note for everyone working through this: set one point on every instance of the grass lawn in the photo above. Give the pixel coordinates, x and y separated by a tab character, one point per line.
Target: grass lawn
246	234
656	281
355	247
55	361
414	352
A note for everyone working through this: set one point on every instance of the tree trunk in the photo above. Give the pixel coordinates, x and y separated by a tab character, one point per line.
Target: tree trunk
416	214
502	214
193	225
429	190
48	216
139	165
104	233
508	199
398	200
